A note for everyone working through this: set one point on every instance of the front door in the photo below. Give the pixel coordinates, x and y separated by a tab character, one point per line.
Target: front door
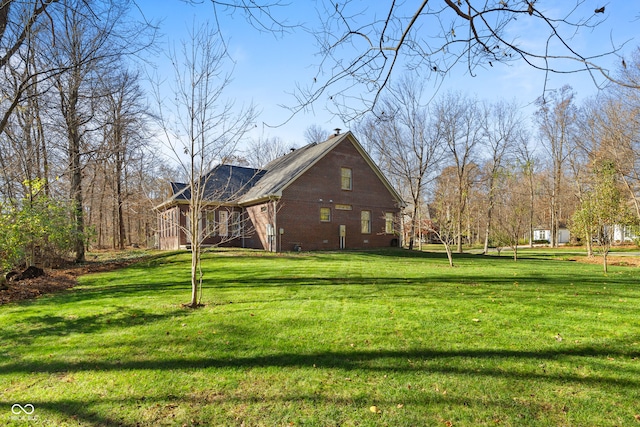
343	236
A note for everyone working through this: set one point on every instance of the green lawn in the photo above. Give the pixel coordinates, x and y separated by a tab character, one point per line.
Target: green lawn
318	339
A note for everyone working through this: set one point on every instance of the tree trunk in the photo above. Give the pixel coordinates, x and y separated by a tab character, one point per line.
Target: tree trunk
76	196
589	245
459	227
412	231
531	209
195	282
119	201
490	202
69	100
101	214
485	251
196	248
44	157
552	226
447	248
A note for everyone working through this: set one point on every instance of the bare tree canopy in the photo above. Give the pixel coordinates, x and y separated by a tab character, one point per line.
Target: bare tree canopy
206	130
315	133
262	150
362	45
408	143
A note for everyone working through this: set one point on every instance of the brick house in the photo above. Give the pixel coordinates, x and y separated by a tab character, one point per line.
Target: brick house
323	196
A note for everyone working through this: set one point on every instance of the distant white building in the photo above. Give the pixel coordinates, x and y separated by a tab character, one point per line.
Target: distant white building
544	234
624	234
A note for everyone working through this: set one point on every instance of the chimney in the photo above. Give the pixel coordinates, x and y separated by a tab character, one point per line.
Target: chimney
336	133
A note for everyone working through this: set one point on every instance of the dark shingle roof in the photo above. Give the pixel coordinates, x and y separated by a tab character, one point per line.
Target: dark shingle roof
284	170
224	183
237	184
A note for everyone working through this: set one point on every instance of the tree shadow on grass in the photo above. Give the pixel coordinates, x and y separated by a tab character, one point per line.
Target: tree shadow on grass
486	362
119	290
73	411
244	278
187	409
47	325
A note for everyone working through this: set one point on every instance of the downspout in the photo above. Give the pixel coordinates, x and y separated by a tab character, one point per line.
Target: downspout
274	202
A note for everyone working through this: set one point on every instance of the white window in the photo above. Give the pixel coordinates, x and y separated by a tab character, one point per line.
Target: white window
236	224
365	221
325	214
223	226
210	223
346	180
388	222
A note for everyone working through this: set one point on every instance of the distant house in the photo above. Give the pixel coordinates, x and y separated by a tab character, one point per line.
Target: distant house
544	235
327	195
624	234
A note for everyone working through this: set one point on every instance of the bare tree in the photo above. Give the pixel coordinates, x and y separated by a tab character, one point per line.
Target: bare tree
207	129
528	163
443	222
556	117
124	114
315	133
363	45
24	153
262	150
96	36
408	143
512	204
614	128
462	132
502	125
21	30
23	156
609	135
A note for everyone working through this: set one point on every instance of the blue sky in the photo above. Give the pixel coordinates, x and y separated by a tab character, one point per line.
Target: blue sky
268	68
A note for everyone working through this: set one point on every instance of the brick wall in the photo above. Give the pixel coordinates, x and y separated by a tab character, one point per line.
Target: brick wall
320	186
297	214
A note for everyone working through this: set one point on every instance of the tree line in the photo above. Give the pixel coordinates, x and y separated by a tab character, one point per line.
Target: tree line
77	166
74	131
483	173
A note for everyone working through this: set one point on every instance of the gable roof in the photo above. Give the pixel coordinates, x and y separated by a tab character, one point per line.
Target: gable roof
283	171
247	186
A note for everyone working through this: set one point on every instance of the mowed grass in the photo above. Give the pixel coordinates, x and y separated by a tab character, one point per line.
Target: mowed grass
391	338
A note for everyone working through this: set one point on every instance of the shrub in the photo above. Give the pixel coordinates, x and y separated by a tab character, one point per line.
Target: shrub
34	231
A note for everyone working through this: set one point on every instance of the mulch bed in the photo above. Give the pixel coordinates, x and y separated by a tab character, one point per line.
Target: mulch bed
54	280
624	261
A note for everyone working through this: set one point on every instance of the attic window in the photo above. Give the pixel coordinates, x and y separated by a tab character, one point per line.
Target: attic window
346	181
